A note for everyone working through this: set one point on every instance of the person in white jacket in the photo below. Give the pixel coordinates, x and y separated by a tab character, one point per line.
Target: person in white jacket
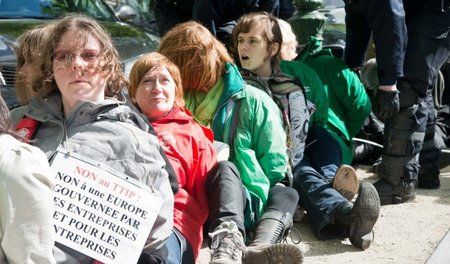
78	109
26	228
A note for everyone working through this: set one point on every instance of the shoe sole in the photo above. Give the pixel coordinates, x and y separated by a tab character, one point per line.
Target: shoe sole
367	208
346	182
275	254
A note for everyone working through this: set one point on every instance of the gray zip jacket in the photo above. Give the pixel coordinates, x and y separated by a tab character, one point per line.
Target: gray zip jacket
112	134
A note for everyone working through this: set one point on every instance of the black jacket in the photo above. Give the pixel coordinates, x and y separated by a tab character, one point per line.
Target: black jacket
388	21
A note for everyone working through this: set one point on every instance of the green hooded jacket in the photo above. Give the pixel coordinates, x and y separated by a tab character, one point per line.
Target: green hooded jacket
313	86
259	147
348	105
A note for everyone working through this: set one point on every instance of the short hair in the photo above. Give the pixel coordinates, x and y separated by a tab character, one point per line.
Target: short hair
148	62
200	57
29	50
287	33
269	24
110	65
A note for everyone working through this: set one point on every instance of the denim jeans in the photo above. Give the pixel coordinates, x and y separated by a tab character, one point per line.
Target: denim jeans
173	245
179	249
323	152
176	250
318	197
161	255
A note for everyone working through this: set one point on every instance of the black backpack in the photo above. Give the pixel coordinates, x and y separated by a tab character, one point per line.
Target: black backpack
289	95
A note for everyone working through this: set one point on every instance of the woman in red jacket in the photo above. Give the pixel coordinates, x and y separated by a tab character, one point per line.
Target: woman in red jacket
155	88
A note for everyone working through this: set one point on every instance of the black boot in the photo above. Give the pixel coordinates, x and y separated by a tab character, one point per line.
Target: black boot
397	185
358	219
429	176
273	228
404	192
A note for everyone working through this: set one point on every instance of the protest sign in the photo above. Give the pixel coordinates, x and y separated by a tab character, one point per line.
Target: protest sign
100	213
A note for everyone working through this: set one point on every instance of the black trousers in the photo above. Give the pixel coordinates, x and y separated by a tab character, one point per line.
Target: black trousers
428	48
226	194
227	197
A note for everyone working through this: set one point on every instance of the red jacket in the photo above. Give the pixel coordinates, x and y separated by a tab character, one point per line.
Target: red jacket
189	147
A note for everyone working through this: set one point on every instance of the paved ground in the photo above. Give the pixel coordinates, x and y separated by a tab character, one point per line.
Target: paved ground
405	233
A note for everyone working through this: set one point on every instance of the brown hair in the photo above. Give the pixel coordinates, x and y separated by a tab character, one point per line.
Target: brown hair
6	126
29	50
110	65
200	57
269	24
148	62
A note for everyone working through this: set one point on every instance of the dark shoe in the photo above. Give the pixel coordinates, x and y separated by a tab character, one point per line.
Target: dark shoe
429	176
405	192
431	184
273	254
346	181
358	219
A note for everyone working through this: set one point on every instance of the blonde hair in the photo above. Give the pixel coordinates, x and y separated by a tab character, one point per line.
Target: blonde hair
110	65
286	30
200	57
148	62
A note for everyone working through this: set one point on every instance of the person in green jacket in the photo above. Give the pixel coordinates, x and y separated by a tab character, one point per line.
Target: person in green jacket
346	109
217	97
349	106
258	38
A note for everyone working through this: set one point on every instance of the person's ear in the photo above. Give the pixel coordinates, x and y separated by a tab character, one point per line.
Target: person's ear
274	49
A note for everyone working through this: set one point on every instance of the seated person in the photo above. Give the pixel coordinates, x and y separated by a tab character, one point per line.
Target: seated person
348	107
258	41
156	90
250	122
77	108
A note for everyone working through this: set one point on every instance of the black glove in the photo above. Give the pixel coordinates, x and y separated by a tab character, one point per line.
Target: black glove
387	104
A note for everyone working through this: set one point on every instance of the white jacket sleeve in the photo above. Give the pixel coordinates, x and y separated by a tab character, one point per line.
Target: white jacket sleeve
26	204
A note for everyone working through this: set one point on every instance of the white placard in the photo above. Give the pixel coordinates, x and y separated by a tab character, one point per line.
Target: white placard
99	213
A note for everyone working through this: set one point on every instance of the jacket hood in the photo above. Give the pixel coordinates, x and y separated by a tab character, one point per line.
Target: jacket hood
51	106
233	82
312	48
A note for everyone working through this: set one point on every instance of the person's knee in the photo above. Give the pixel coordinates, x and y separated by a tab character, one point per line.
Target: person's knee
405	132
283	193
223	171
283	199
301	172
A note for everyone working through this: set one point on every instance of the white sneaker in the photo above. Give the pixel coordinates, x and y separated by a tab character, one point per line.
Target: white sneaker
227	244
